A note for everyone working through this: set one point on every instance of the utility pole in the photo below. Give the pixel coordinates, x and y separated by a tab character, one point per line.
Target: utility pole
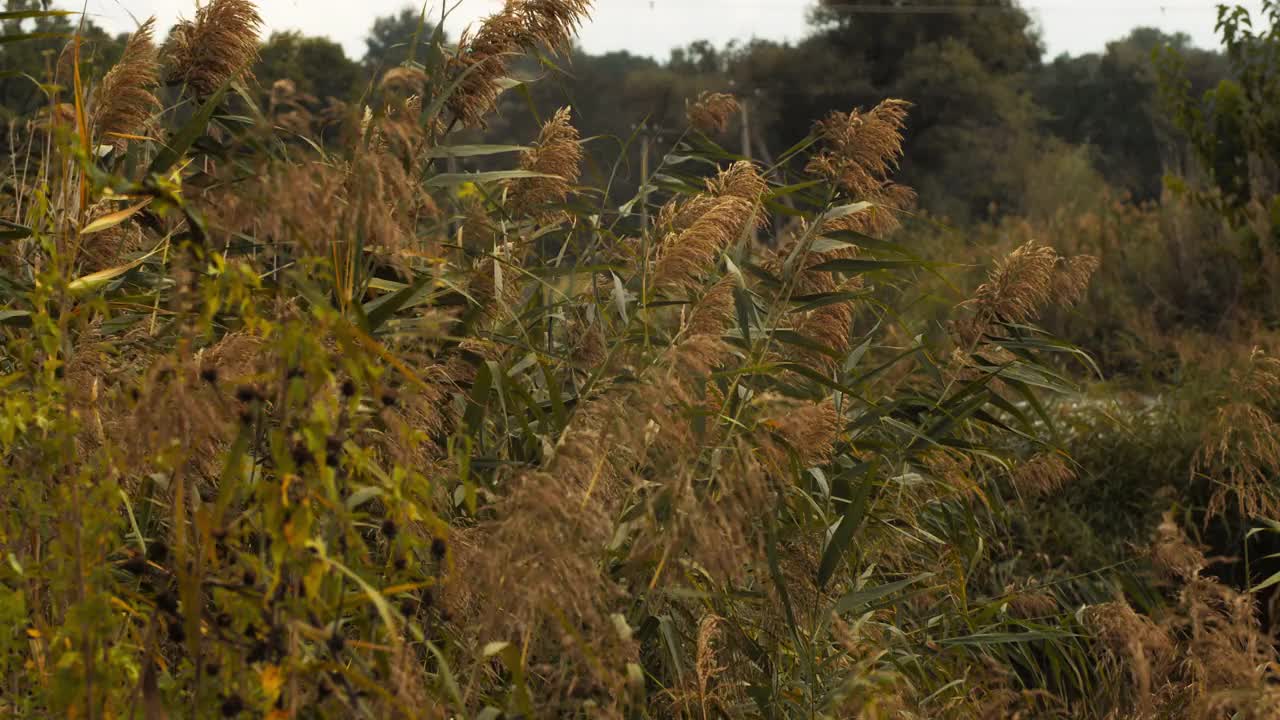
745	105
648	133
644	179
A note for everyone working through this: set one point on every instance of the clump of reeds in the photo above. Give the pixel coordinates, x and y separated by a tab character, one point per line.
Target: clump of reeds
125	99
1240	449
221	43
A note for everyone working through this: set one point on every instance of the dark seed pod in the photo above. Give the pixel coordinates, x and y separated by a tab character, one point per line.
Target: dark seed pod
249	578
336	642
209	375
301	454
399	563
439	548
389	529
348	388
232	706
258	653
136	565
157	551
177	634
389	398
167	602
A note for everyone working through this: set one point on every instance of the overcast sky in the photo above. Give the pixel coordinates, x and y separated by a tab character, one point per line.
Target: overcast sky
653	27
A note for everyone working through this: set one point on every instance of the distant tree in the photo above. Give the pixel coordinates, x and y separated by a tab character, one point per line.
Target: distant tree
884	33
391	38
35	59
1233	131
317	66
972	132
1110	101
698	57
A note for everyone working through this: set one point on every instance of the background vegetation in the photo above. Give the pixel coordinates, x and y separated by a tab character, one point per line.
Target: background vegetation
482	377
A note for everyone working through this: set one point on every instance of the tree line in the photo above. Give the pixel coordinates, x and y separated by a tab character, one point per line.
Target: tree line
994	122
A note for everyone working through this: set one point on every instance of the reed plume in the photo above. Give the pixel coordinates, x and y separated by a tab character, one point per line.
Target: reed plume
219	44
714	312
1022	285
861	148
684	259
125	98
712	111
556	155
709	226
1042	474
829	325
809	430
523	26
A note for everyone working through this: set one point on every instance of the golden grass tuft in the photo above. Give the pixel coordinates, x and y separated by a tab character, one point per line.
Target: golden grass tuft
1043	474
809	430
125	99
221	43
1172	553
1240	448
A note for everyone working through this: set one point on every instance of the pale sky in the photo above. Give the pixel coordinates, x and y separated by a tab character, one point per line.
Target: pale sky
654	27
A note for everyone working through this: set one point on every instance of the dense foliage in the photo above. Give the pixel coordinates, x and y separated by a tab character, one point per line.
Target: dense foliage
324	403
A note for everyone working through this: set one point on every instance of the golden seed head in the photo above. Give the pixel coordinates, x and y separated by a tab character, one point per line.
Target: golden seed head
219	44
125	98
712	111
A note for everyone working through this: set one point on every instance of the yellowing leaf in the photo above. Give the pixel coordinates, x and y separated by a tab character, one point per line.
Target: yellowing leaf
97	279
111	220
272	680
